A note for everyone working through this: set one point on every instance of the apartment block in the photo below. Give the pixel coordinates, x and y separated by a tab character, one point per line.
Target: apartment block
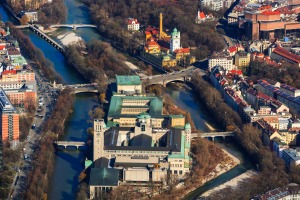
9	120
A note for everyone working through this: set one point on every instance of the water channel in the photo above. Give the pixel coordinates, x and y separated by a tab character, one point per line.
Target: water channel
69	163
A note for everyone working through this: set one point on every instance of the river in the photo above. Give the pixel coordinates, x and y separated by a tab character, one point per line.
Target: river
70	163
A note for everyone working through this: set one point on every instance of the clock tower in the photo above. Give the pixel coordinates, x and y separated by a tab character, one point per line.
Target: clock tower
99	129
175	40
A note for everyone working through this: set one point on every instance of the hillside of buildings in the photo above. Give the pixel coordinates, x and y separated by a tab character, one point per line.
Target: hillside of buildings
111	17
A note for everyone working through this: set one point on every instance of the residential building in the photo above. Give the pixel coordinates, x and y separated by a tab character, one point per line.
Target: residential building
242	59
216	4
17	75
128	84
279	53
267	131
32	15
290	99
291	157
133	24
279	146
9	120
222	59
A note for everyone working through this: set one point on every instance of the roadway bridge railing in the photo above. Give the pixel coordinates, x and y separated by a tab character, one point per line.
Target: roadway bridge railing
66	144
213	134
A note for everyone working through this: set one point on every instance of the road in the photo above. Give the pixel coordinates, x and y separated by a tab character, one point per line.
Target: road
171	76
42	113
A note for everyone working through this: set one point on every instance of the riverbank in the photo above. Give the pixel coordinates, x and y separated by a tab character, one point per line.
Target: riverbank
233	183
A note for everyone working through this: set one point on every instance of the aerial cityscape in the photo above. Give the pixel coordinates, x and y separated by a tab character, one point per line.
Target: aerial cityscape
150	99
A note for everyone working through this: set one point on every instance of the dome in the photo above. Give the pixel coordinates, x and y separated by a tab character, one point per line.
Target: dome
187	126
143	116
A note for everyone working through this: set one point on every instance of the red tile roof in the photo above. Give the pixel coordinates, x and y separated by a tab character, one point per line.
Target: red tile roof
201	15
13	71
182	50
232	49
285	53
132	21
276	12
238	72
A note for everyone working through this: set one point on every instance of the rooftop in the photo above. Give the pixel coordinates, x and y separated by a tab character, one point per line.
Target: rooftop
104	177
154	105
128	80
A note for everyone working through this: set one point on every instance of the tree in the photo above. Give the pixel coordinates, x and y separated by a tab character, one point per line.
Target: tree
24	20
96	113
102	97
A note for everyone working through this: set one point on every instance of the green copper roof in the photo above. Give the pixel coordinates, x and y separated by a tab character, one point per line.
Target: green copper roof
187	126
176	116
87	163
128	80
116	104
143	116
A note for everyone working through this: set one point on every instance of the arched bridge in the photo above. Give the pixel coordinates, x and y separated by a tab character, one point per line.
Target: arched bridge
213	134
73	26
66	144
164	79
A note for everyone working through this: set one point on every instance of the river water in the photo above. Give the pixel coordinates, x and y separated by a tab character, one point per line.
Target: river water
70	163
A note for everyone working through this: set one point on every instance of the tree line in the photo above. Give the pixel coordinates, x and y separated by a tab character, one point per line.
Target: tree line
34	54
110	16
286	73
44	157
48	13
100	63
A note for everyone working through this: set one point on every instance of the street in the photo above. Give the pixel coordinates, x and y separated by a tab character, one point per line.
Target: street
46	96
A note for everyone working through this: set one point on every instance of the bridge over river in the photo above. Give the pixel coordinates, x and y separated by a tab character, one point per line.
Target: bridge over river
183	75
66	144
73	26
213	134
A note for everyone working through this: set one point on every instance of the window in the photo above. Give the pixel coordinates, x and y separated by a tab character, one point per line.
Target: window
175	172
180	172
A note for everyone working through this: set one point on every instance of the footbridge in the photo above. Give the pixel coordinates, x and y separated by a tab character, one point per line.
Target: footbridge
47	38
73	26
183	75
66	144
212	135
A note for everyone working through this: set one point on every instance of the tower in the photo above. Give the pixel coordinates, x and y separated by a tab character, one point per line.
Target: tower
187	131
175	40
99	129
160	25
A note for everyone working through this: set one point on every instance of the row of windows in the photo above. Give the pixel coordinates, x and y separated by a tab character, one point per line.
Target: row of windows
176	165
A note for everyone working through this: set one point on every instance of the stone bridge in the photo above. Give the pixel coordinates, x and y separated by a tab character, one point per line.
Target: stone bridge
164	79
73	26
66	144
47	38
82	88
213	134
